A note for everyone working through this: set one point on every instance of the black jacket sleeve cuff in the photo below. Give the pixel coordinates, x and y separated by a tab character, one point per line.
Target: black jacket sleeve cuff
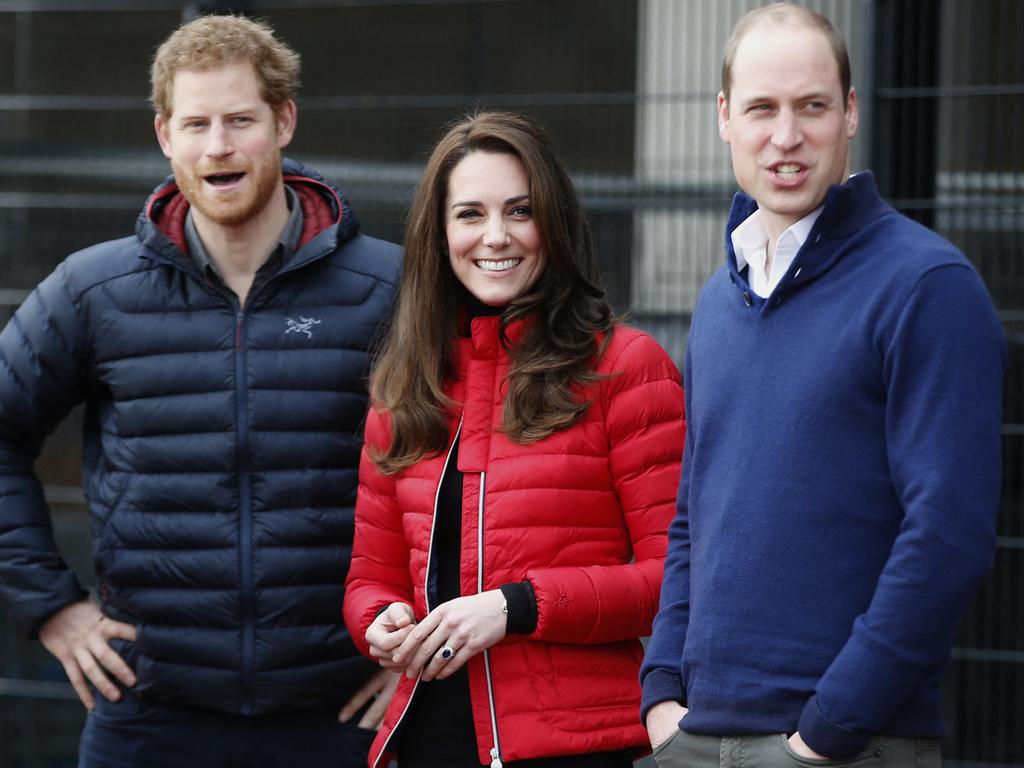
522	607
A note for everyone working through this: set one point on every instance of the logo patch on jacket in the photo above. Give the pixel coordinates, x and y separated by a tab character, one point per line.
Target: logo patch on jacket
303	325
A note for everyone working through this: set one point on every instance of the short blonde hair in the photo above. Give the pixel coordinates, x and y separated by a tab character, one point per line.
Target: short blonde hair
214	41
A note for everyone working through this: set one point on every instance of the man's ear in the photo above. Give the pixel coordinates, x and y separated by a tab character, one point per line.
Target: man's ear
163	135
852	114
287	118
723	118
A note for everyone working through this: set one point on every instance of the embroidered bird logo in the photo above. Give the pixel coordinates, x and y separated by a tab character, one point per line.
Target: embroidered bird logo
303	325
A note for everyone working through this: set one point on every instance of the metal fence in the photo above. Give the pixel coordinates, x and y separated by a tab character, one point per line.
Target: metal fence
949	152
627	88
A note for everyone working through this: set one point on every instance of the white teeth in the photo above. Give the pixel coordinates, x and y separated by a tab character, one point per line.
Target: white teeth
788	168
497	266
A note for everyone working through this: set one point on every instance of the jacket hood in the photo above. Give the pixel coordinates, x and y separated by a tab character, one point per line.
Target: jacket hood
328	218
849	208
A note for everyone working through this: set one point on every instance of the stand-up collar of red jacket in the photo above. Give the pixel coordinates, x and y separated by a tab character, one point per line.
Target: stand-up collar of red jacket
481	370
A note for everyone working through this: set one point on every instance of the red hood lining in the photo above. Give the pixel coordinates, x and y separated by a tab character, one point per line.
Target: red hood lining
317	212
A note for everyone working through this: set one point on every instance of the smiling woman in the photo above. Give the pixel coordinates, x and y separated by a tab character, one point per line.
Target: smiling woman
493	191
493	242
512	415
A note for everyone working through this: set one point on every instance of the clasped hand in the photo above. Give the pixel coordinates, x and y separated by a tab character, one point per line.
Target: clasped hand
464	626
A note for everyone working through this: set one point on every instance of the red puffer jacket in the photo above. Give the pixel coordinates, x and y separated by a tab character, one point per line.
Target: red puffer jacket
581	514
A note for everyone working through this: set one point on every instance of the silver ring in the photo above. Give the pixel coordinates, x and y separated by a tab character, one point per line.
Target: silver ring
447	652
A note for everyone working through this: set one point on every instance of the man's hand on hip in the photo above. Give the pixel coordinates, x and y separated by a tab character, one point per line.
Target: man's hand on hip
79	636
663	721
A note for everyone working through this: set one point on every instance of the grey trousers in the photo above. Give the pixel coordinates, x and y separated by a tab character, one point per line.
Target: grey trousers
690	750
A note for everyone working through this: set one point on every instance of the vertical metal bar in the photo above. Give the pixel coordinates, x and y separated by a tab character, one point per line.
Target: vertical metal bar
21	123
864	17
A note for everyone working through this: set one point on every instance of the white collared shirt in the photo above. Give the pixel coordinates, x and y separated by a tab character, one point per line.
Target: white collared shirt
750	242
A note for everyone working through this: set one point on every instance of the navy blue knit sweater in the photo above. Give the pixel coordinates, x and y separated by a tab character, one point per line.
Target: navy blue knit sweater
839	488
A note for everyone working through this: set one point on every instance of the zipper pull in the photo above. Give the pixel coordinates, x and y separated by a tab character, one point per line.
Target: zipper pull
495	759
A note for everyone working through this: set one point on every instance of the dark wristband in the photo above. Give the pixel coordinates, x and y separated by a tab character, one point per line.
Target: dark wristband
522	607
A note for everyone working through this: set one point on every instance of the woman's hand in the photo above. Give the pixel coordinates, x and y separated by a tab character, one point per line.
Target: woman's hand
452	634
387	632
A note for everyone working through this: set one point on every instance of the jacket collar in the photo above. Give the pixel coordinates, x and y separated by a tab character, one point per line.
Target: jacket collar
328	219
848	209
484	339
480	367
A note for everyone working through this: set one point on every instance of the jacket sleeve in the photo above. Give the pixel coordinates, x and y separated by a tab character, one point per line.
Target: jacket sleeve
645	428
42	374
379	572
943	370
661	673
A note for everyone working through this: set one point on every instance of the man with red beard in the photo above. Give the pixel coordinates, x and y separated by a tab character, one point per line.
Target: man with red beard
221	353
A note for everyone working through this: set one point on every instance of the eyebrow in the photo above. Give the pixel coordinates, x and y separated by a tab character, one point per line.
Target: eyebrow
205	115
812	96
509	201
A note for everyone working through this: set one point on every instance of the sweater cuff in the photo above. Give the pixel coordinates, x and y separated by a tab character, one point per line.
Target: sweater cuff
825	737
522	607
660	685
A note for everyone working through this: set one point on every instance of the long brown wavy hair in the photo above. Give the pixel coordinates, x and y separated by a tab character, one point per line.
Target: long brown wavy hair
567	304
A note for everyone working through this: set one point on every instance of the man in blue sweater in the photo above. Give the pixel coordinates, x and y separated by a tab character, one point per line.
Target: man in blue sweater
842	466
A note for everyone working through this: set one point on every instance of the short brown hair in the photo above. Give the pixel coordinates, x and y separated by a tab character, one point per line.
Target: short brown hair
215	41
783	13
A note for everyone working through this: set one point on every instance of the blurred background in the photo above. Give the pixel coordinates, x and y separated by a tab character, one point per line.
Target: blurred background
628	88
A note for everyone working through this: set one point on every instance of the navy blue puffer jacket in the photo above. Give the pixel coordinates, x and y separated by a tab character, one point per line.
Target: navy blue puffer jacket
220	456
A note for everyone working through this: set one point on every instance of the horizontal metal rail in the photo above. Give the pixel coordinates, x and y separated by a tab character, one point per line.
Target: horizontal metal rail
36	689
42	102
951	91
52	6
